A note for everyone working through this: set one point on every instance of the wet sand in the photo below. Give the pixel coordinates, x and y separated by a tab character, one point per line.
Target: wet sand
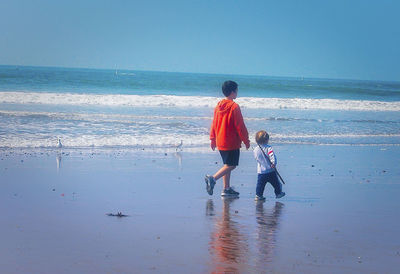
340	214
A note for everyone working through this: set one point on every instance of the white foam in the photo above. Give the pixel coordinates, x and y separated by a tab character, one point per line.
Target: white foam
99	141
163	141
333	136
191	101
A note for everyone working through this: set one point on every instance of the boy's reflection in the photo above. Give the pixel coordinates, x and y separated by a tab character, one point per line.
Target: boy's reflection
267	226
228	247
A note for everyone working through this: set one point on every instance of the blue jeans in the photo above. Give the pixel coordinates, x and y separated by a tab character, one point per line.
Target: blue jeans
263	179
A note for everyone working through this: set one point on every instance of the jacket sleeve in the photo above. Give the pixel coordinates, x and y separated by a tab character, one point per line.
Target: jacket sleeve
240	126
257	156
212	129
271	155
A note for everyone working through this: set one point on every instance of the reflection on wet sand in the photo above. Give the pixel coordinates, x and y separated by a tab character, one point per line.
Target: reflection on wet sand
178	155
232	248
210	208
228	246
58	160
267	228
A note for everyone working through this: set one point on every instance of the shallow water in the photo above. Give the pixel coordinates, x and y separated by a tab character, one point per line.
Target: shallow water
103	109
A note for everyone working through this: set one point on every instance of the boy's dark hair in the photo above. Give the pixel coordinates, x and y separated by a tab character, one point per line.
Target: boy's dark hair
228	87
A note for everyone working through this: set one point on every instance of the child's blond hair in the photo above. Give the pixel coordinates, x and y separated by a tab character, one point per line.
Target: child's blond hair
262	137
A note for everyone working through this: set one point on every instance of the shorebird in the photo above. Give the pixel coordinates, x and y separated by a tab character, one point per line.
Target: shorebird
179	146
59	145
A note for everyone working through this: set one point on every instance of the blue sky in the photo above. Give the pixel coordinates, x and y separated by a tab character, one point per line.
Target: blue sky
328	39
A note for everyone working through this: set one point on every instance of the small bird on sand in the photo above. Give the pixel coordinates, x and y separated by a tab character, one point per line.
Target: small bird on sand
59	145
179	146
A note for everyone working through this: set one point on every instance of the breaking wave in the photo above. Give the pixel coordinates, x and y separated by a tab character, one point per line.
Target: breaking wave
166	101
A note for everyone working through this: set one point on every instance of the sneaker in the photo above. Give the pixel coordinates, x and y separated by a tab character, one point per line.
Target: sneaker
259	198
210	182
280	195
229	192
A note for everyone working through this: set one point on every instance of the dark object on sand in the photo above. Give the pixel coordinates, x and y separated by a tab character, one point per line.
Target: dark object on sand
119	214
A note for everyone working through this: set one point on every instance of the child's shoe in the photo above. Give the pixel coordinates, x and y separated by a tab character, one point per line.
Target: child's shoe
259	198
210	182
229	192
280	195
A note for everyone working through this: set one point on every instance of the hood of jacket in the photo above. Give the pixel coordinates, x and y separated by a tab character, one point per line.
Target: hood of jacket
225	105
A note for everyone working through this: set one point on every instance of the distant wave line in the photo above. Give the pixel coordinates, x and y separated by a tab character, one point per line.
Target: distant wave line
97	116
112	117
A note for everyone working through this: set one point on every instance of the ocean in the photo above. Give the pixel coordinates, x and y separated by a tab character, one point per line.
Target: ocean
99	108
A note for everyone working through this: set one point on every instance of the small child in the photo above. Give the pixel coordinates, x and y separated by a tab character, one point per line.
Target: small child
266	167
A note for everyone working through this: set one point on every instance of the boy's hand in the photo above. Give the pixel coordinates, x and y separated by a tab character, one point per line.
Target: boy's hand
213	145
247	146
273	166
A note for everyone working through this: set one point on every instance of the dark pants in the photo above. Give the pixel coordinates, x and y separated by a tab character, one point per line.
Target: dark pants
263	179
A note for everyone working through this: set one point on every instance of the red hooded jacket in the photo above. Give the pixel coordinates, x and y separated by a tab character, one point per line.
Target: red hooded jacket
228	129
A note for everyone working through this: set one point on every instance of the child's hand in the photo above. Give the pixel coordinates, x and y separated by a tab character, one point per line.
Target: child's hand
273	166
213	145
248	146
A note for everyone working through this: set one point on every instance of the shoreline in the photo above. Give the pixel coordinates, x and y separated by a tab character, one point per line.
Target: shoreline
204	149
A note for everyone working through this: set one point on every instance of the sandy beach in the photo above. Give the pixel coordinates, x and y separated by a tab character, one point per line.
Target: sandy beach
109	110
340	214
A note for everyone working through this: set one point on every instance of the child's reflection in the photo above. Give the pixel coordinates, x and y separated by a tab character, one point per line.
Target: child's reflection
267	226
228	246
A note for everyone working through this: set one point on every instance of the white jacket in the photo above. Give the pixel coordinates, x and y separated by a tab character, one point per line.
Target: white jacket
262	164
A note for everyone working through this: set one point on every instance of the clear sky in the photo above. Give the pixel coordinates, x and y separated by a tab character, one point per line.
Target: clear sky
329	39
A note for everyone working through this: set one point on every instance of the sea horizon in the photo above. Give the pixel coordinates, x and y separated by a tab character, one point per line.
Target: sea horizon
205	73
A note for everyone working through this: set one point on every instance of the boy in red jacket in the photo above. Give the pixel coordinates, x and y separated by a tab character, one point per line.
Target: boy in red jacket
227	133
